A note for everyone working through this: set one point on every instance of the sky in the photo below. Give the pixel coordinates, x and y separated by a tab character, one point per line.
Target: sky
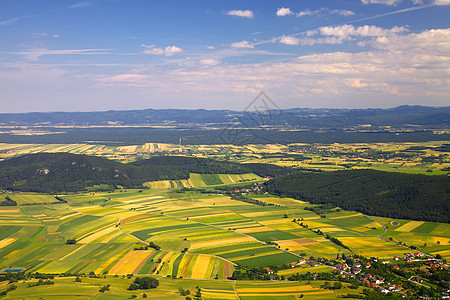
94	55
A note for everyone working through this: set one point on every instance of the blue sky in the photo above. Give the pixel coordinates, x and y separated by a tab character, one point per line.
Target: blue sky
66	55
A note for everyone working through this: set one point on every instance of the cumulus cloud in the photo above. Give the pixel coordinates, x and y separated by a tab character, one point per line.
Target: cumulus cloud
172	50
243	44
241	13
411	65
289	40
210	62
340	34
346	31
168	51
284	11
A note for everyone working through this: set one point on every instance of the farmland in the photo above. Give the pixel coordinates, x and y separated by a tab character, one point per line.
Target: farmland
201	236
428	158
194	232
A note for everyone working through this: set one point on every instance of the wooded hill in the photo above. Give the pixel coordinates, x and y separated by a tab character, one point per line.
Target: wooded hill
65	172
394	195
387	194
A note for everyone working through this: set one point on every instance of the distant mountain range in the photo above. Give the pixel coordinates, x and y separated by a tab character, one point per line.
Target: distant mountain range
296	118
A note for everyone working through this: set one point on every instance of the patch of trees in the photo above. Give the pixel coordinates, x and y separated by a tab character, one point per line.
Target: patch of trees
41	282
322	209
8	289
144	283
71	241
387	194
154	246
8	202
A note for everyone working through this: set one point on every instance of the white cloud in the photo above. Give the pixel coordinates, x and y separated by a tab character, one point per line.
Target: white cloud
385	2
345	31
339	34
342	12
403	68
172	50
168	51
243	44
284	11
441	2
211	47
210	62
241	13
289	40
304	13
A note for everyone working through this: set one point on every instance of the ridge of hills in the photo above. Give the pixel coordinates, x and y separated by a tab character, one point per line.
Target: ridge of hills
368	191
66	172
297	117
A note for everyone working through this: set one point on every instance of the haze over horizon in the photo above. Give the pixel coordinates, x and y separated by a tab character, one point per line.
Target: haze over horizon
100	55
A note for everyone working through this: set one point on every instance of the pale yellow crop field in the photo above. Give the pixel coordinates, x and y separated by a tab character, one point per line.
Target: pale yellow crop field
221	242
130	262
409	226
6	242
200	267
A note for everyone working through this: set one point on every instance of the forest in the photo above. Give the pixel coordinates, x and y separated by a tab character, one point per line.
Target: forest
387	194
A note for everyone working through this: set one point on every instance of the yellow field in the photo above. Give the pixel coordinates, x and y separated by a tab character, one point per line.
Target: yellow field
292	245
293	288
219	294
69	215
6	242
109	261
99	234
331	229
442	240
74	251
111	236
409	226
313	224
200	267
130	262
254	229
221	242
349	216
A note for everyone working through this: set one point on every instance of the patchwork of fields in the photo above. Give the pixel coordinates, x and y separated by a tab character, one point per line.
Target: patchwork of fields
203	180
201	237
318	158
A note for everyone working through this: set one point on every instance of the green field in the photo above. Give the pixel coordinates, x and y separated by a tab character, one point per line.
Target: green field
30	198
202	237
205	180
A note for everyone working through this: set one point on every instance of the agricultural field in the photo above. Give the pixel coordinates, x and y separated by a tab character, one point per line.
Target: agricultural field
88	288
428	158
204	180
32	198
188	239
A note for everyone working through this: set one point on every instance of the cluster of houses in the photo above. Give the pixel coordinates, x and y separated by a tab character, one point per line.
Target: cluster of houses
253	189
410	257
